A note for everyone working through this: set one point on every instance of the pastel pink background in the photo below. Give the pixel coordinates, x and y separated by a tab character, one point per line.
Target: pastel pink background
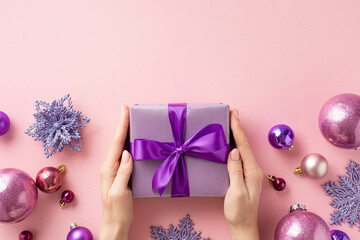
277	61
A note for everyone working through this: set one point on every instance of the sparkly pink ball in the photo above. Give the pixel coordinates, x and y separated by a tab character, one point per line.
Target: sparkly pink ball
300	224
18	195
339	121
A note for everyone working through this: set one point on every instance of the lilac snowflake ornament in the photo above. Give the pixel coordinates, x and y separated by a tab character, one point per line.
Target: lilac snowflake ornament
346	197
184	232
57	126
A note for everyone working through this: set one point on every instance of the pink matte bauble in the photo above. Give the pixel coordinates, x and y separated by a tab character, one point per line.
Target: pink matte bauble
49	179
18	195
300	224
314	165
339	121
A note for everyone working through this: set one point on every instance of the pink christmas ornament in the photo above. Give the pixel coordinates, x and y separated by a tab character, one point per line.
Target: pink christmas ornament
313	165
66	197
279	184
25	235
18	195
300	224
339	121
49	179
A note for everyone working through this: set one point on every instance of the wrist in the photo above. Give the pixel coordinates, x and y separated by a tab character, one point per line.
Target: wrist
240	233
113	232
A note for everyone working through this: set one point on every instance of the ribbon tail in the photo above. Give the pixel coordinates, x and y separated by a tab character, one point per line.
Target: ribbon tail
180	183
164	172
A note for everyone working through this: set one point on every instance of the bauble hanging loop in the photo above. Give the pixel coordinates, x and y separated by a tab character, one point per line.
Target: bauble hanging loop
279	184
281	136
313	165
49	179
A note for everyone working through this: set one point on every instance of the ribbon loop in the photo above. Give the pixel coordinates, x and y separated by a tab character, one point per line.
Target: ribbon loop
209	143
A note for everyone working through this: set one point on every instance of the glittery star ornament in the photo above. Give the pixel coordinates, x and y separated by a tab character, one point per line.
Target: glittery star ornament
184	231
346	196
57	125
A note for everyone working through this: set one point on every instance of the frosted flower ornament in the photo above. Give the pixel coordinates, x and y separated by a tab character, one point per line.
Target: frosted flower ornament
346	197
57	125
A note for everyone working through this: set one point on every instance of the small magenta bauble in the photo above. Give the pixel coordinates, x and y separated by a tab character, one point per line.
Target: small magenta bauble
49	179
339	121
339	235
300	224
18	195
281	136
4	123
79	233
279	184
25	235
313	165
66	197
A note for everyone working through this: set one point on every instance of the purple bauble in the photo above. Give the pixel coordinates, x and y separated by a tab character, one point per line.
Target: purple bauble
18	195
339	235
4	123
339	121
79	233
281	136
300	224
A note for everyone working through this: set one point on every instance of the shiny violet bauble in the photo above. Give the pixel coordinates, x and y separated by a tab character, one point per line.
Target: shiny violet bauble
18	195
4	123
25	235
339	121
313	165
339	235
49	179
300	224
79	233
281	136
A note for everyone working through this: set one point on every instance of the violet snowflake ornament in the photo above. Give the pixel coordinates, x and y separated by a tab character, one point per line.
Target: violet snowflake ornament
184	231
57	125
346	196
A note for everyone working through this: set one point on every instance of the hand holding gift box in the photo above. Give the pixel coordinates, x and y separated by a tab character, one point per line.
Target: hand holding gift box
181	144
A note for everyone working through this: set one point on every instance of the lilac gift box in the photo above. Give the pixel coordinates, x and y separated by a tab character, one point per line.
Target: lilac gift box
205	178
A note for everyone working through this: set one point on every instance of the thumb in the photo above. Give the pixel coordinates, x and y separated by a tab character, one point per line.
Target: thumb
235	169
123	174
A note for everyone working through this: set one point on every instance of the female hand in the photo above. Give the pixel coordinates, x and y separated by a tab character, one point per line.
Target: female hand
242	198
117	201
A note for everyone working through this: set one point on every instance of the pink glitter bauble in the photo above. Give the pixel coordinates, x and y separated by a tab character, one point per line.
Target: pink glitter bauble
300	224
339	121
18	195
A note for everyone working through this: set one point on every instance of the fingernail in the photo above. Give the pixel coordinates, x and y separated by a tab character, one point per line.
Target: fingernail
236	113
234	155
125	156
122	107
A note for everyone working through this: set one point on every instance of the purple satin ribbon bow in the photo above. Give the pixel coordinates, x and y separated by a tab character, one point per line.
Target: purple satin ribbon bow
209	143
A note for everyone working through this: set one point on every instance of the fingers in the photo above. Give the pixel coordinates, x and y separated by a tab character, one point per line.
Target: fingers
252	173
111	164
118	143
241	141
123	174
236	173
